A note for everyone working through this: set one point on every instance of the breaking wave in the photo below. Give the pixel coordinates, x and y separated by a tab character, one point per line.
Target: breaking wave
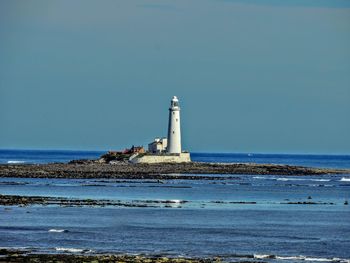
291	179
58	230
302	258
15	162
345	179
302	179
261	177
175	201
73	250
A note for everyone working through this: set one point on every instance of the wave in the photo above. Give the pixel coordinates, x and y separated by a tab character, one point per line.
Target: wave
174	201
57	230
16	248
291	179
15	162
345	179
302	258
73	250
257	256
303	179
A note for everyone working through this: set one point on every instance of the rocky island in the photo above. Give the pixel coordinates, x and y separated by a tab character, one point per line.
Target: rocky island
124	170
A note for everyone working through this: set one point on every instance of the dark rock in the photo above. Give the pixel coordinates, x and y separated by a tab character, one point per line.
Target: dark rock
26	256
162	171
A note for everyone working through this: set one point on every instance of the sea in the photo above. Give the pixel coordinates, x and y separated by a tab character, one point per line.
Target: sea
265	218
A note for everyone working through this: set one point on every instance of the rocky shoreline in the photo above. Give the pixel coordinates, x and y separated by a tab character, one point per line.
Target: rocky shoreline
7	255
164	171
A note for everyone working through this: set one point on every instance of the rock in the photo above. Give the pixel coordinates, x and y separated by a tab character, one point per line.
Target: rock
164	171
25	256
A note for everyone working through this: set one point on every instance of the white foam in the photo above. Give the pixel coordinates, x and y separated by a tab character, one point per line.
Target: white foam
15	161
305	258
303	179
57	230
320	180
313	259
341	260
175	201
257	256
289	258
318	259
71	250
291	179
15	248
345	179
260	177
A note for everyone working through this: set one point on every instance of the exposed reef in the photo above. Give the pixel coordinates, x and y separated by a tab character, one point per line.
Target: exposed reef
23	201
91	169
12	200
7	255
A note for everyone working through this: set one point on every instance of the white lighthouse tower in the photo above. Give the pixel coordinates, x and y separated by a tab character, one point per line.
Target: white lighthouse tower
174	132
172	145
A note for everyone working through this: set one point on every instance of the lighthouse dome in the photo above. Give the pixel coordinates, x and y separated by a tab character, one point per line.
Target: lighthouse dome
174	102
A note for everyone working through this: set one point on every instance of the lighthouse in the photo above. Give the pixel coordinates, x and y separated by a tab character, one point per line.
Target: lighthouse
166	150
174	132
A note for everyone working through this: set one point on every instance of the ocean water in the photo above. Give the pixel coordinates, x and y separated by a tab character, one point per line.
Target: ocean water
45	156
242	219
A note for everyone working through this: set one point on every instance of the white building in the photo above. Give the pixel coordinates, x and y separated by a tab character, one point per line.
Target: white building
174	131
158	145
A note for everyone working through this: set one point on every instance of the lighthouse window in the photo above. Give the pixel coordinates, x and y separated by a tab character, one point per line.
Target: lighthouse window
177	120
173	112
173	132
176	104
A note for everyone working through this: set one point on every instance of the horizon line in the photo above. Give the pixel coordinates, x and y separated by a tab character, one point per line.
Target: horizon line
194	152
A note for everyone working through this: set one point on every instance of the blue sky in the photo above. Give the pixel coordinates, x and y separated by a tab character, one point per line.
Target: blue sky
252	76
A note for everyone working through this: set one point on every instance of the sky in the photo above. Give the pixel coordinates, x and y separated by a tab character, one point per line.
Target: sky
268	76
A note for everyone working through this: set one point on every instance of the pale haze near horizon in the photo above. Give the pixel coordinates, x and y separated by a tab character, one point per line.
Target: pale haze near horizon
252	76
